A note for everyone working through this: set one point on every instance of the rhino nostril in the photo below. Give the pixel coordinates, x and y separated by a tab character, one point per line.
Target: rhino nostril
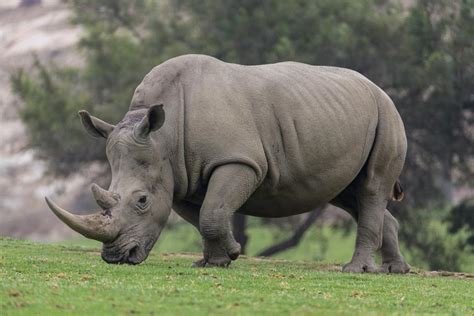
107	213
133	256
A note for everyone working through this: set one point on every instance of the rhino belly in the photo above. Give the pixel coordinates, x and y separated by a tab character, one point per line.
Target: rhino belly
299	183
296	197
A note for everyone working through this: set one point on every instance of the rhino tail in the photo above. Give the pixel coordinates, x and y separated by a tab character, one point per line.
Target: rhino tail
397	193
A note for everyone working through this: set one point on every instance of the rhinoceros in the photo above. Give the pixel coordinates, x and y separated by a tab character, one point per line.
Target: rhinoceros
209	139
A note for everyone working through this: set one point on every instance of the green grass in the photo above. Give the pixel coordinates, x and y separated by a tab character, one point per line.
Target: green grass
323	243
51	279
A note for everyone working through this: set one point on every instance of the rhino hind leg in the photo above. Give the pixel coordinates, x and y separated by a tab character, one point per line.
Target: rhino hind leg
392	259
373	188
366	200
369	234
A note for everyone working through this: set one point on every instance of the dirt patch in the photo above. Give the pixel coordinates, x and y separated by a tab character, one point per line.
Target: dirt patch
456	275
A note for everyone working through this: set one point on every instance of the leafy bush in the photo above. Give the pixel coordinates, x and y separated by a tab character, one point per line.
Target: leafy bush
462	217
426	235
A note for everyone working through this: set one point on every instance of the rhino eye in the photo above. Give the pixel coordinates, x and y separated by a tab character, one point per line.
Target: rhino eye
142	199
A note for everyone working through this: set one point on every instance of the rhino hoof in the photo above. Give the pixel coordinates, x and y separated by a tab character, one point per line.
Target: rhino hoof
234	252
218	262
395	267
354	267
199	264
212	263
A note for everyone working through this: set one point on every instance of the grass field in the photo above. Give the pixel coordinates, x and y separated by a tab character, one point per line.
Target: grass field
51	279
321	242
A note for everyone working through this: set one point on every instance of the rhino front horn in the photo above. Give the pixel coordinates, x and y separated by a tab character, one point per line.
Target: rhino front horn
96	226
105	199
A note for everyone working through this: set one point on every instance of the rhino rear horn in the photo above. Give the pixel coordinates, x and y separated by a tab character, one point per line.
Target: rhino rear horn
105	199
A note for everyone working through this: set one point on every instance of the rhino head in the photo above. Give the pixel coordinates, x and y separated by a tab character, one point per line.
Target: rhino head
135	208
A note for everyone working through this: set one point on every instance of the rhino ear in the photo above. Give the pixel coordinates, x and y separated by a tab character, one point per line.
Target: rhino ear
95	126
153	120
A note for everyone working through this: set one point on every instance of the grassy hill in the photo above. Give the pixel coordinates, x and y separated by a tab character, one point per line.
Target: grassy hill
66	279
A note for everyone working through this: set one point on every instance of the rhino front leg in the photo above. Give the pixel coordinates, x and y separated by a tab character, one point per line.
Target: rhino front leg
214	255
229	187
190	212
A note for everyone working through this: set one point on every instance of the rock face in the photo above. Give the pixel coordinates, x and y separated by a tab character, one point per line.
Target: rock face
43	30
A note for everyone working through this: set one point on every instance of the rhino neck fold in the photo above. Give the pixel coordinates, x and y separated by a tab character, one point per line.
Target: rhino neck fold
173	134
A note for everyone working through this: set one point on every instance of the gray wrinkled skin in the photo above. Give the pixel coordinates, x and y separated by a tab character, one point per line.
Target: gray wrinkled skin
269	141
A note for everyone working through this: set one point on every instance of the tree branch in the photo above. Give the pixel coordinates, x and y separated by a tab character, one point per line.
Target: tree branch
294	240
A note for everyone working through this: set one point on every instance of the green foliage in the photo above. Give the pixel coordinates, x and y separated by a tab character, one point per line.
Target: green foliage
52	279
433	78
50	113
117	58
343	33
462	217
430	242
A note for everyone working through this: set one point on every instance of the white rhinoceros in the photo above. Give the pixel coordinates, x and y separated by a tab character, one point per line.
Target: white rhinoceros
269	141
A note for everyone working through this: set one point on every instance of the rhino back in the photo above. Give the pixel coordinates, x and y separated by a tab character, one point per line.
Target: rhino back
306	130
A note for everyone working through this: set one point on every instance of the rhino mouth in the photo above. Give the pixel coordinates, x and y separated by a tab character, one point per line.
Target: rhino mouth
133	253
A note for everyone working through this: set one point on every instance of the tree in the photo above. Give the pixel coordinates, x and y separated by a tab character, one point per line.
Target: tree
462	217
117	57
432	85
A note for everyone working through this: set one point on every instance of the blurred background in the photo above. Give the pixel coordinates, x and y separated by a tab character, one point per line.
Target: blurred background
57	57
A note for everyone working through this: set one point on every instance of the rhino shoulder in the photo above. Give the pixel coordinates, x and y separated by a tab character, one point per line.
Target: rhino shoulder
162	77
